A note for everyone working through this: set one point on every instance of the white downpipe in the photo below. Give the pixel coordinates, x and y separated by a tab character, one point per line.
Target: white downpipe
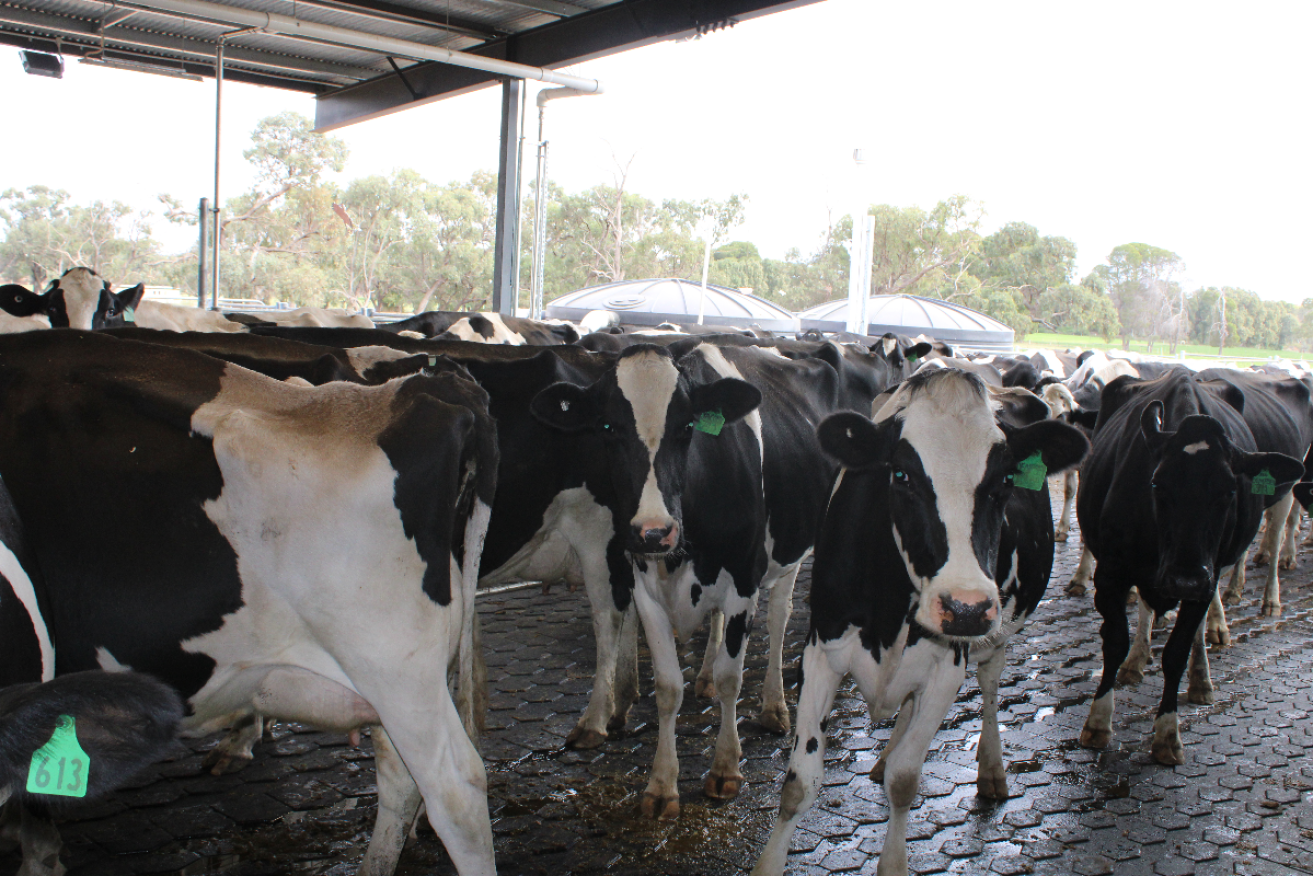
270	22
706	268
540	203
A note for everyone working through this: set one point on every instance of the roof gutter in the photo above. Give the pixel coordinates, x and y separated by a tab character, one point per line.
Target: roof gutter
283	25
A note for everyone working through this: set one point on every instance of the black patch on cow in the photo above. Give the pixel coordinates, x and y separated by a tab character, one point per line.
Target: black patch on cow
916	512
736	628
482	325
825	724
812	745
992	494
694	593
790	776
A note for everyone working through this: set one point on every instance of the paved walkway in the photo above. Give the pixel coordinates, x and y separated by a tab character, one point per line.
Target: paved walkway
1242	804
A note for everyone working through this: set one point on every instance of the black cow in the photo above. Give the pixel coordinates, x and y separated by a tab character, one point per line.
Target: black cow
1171	494
312	556
936	547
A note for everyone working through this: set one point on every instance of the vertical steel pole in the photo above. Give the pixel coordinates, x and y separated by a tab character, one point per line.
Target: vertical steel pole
218	120
539	227
506	255
200	252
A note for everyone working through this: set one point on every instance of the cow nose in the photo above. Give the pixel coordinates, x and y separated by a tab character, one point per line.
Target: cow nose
1191	584
654	538
962	614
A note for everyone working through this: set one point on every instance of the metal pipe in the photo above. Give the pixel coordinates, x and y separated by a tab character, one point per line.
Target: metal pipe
536	310
218	129
283	25
200	252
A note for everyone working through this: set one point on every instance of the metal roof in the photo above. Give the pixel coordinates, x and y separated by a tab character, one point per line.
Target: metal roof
352	83
912	314
652	302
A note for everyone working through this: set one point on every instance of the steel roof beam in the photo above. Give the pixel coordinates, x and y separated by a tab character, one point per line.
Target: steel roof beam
397	12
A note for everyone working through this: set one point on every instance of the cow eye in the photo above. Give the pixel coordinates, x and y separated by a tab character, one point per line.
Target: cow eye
606	426
900	477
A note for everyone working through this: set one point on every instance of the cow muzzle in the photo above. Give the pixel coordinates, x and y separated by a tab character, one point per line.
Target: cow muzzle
966	613
1189	585
653	537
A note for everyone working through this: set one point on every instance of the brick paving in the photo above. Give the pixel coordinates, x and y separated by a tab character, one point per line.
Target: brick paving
1242	804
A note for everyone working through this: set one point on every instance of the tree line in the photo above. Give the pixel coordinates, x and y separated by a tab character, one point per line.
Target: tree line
404	243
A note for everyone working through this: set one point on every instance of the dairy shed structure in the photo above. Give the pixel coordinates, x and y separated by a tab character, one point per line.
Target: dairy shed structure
652	302
913	315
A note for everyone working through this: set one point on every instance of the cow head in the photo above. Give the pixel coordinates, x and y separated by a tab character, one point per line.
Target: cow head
950	453
78	299
1199	477
645	409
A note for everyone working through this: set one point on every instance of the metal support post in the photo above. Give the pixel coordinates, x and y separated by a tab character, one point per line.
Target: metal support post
200	252
218	129
539	227
506	255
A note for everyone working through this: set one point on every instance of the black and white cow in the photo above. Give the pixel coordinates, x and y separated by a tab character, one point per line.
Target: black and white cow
311	556
1171	495
80	298
931	555
485	328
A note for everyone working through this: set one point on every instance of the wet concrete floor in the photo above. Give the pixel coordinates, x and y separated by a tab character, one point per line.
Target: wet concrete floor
1242	803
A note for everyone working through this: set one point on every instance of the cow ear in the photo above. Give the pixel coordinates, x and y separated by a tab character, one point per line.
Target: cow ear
921	350
851	439
1060	446
1082	417
1151	425
1285	469
21	301
682	347
129	298
734	398
831	354
565	406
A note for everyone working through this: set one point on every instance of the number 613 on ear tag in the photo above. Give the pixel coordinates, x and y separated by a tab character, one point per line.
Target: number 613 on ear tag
60	767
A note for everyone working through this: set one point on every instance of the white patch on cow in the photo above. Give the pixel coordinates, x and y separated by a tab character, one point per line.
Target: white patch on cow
82	290
890	344
364	358
647	381
409	334
297	380
501	333
316	317
18	579
1087	368
1194	448
1059	399
12	325
109	662
1052	363
722	366
597	320
172	318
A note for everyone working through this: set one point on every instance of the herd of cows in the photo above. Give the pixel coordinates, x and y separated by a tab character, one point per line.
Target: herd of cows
210	521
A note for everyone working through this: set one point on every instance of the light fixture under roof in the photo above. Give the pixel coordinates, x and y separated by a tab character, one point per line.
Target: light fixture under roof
43	64
142	67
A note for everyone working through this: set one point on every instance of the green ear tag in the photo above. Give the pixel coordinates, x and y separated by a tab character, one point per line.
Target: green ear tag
1030	473
1264	484
131	316
913	358
433	360
60	767
711	422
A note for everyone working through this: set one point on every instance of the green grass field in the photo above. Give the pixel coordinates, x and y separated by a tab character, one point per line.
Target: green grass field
1047	341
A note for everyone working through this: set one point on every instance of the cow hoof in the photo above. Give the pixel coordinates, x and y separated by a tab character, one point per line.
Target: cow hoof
660	807
1230	598
1288	564
1059	536
1200	697
992	787
1260	559
1075	588
584	739
1129	675
722	787
705	688
1094	738
219	762
877	772
1271	610
1169	752
616	725
1219	637
775	718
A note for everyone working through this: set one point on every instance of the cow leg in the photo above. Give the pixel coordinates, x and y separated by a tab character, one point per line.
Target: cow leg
706	683
820	681
39	839
1166	728
903	771
725	779
608	626
1063	529
1084	572
1200	689
1273	538
661	799
1237	583
991	777
1111	604
236	749
1132	670
1216	631
398	805
774	714
900	727
1292	537
626	672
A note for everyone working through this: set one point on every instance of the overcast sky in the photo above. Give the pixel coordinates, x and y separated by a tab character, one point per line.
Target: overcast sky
1182	125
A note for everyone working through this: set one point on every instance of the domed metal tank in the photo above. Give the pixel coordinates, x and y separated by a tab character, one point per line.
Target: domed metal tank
652	302
913	315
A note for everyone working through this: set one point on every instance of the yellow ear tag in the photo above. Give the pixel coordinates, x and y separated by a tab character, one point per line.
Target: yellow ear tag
1264	484
60	767
1030	473
710	422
